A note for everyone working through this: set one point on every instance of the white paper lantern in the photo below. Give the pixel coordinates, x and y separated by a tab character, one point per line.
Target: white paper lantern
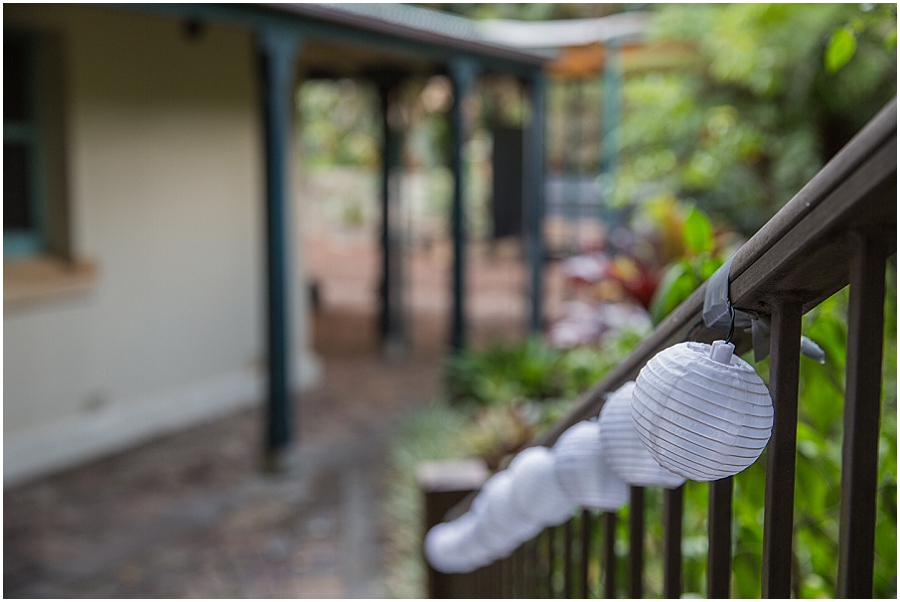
501	526
446	550
622	449
582	472
703	413
536	492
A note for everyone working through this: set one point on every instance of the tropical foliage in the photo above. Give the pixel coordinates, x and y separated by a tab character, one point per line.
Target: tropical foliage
717	144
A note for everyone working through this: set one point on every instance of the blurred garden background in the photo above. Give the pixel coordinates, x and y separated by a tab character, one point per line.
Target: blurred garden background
662	157
706	145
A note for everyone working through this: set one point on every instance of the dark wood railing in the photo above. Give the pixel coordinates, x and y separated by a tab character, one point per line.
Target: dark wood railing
838	230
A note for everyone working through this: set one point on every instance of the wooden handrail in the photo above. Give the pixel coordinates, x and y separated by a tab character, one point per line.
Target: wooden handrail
837	231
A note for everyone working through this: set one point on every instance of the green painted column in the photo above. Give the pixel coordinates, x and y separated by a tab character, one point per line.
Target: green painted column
277	52
612	109
463	74
533	189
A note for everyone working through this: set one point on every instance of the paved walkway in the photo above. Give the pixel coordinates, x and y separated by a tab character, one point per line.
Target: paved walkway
191	514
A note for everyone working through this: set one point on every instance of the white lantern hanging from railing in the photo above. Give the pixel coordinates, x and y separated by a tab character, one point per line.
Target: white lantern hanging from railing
702	412
537	494
447	546
622	449
582	472
501	527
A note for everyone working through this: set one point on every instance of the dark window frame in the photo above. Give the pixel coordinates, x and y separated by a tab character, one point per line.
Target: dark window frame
26	131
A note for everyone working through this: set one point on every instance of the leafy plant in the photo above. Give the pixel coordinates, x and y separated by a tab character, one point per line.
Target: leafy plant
682	277
768	101
429	433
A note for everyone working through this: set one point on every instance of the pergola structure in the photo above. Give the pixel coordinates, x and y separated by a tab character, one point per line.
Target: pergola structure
386	44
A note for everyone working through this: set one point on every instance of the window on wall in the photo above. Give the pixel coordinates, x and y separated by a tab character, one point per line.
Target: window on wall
38	260
23	191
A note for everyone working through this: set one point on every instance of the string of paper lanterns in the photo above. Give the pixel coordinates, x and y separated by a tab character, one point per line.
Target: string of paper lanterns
696	411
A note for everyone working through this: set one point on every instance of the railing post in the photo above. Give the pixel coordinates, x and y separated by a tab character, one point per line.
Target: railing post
586	533
636	543
862	406
531	564
445	484
567	559
551	561
784	378
609	554
718	564
673	509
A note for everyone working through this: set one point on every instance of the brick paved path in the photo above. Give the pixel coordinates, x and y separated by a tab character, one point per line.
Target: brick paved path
191	514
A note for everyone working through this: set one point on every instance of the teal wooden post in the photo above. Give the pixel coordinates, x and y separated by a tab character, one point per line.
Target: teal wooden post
533	190
391	322
277	50
463	74
612	108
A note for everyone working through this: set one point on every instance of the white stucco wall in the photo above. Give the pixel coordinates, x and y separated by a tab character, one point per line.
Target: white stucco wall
165	181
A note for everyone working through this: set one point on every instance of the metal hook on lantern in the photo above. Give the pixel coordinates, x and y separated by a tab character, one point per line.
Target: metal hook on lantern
731	325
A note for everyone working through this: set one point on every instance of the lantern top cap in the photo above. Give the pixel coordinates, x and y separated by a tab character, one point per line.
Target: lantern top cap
721	352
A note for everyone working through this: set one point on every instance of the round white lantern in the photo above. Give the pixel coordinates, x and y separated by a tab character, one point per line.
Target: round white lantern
536	492
702	412
445	547
582	472
624	452
501	526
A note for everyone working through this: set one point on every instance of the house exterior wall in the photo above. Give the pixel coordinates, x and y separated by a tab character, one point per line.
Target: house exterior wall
164	172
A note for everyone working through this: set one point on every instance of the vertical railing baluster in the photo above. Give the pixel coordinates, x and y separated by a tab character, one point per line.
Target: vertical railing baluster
586	533
609	554
567	559
504	578
784	378
551	561
513	573
523	570
673	509
718	566
540	555
483	576
533	564
862	407
636	543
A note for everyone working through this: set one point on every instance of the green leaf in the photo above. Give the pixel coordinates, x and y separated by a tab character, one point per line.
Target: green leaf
676	285
840	49
698	232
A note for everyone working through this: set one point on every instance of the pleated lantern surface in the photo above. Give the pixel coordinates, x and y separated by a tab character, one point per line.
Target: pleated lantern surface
582	471
537	494
702	412
622	449
502	527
